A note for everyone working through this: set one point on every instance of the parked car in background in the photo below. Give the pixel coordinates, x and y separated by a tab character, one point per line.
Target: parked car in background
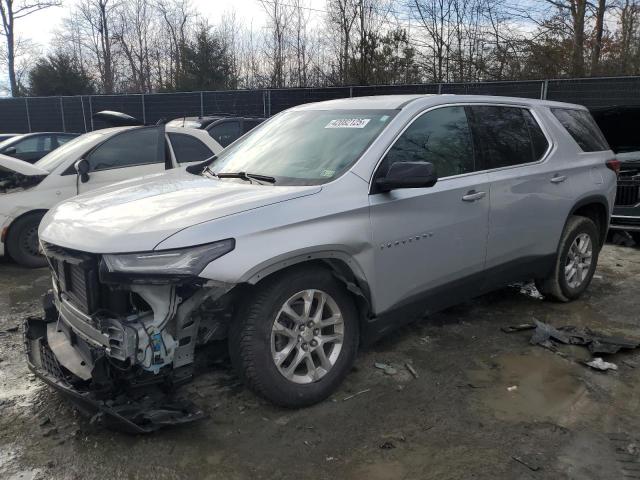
318	232
6	136
85	163
621	127
224	130
31	147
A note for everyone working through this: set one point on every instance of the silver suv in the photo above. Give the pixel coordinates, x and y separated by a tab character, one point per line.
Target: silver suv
316	233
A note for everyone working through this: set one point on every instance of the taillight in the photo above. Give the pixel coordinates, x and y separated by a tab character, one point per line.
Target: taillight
614	164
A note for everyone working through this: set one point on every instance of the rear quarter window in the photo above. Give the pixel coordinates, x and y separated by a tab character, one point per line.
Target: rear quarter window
582	128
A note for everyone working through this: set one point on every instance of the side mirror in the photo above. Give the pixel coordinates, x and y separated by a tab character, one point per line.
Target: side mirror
408	175
10	151
82	167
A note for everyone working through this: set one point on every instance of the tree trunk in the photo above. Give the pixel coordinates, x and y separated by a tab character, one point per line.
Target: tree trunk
11	62
597	46
578	11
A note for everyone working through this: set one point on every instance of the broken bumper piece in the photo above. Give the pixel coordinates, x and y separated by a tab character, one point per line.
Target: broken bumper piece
98	392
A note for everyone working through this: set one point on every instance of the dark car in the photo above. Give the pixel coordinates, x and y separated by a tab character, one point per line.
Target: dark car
224	130
621	127
31	147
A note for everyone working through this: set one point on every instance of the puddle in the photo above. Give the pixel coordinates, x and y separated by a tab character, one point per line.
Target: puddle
548	387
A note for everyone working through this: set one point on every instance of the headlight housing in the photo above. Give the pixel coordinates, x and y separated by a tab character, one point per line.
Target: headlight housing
188	261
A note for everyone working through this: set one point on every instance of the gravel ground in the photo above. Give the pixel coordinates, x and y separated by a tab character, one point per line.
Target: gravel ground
460	418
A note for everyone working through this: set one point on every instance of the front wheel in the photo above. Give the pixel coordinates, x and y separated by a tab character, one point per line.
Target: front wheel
296	338
22	242
575	263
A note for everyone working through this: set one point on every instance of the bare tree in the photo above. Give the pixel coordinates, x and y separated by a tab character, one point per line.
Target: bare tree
279	16
598	31
178	16
10	11
342	14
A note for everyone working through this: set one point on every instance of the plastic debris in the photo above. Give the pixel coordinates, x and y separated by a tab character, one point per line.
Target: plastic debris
599	364
545	335
512	388
386	368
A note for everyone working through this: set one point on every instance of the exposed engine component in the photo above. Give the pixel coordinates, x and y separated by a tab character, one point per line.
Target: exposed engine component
11	182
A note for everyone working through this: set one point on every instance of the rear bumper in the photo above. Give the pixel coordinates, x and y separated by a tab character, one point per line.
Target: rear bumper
140	409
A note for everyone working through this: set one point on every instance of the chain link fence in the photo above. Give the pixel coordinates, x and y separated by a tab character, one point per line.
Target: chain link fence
74	114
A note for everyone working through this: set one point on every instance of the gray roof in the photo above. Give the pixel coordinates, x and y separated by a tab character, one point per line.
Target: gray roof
387	102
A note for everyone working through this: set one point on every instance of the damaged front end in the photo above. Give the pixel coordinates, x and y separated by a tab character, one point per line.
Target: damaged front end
117	341
12	182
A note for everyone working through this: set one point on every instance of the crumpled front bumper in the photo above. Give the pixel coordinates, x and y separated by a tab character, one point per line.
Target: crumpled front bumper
139	410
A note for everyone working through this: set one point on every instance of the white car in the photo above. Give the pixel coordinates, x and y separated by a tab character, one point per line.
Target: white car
90	161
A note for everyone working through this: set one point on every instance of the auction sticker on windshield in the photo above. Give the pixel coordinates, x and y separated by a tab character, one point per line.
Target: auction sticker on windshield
348	123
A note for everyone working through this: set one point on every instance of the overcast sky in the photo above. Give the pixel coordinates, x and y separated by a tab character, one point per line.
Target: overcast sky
40	26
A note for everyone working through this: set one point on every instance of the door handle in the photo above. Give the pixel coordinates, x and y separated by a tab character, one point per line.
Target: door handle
558	178
473	196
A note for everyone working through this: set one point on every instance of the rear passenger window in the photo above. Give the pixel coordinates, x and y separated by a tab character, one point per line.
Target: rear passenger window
582	128
442	137
539	142
506	136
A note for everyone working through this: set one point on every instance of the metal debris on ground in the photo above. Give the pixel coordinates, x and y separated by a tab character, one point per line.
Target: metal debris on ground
412	370
533	468
599	364
356	394
518	328
386	368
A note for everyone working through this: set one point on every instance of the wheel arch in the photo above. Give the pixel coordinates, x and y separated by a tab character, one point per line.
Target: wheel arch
595	208
7	233
343	267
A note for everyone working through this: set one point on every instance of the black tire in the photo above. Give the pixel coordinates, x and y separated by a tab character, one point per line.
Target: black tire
636	238
22	242
556	286
250	338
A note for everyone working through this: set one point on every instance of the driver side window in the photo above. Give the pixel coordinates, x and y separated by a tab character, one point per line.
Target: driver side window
134	147
442	137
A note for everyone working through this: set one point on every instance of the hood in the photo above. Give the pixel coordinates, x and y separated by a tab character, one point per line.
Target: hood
138	214
13	165
16	175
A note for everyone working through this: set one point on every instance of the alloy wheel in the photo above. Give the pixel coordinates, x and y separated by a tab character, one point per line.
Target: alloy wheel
578	261
307	336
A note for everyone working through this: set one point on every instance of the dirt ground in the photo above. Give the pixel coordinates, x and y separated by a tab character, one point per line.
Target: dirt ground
458	419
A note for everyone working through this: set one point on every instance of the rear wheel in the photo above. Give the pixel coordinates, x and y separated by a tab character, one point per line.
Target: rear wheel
575	263
296	338
22	242
636	238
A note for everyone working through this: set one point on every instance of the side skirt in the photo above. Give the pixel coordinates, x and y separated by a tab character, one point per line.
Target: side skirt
453	293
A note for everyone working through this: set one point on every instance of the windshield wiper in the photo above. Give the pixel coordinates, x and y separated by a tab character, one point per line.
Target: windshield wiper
247	176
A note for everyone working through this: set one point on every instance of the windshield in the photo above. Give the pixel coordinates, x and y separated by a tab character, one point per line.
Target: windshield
73	148
304	147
